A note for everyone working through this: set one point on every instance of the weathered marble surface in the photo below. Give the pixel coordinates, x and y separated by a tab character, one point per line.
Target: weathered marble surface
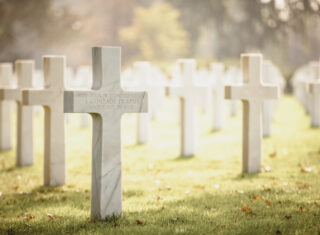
51	98
252	92
24	72
6	77
106	102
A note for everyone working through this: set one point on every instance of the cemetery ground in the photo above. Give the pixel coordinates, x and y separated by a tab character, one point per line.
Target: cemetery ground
164	193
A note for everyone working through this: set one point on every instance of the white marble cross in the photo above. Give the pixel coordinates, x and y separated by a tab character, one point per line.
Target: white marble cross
188	96
51	98
106	102
24	71
314	94
142	71
218	113
5	108
268	105
252	92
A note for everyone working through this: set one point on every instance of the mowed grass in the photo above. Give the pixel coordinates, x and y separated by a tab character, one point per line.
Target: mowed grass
164	193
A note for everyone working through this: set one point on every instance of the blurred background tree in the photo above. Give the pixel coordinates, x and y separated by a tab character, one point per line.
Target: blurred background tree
285	31
26	27
156	33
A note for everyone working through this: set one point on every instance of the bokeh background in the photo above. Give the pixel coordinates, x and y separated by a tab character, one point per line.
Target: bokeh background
285	31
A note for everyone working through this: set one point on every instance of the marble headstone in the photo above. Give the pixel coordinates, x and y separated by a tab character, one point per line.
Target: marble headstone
6	76
253	92
51	98
106	102
218	114
24	72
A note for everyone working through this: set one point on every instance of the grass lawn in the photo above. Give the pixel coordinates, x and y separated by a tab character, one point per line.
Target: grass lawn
164	193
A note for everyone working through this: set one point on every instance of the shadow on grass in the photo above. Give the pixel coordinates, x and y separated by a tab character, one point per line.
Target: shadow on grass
245	176
184	158
201	213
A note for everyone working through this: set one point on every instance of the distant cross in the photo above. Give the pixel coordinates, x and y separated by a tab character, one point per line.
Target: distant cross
188	93
252	93
314	90
24	71
5	108
217	78
142	71
106	102
51	98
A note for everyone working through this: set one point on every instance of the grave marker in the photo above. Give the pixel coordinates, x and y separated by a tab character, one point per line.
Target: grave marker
188	97
252	93
51	98
142	71
106	103
218	103
314	94
5	108
24	71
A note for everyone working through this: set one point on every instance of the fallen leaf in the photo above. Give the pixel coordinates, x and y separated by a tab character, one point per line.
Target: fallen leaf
246	209
301	208
50	216
139	222
199	186
168	188
157	197
15	188
256	197
28	218
64	198
268	202
303	186
272	155
306	169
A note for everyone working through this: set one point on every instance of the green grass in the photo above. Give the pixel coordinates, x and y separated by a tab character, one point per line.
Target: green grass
164	193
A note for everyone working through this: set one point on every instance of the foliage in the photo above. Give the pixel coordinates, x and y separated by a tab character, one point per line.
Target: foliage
27	26
156	33
267	26
164	194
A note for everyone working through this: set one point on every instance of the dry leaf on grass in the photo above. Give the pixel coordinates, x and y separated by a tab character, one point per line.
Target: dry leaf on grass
268	202
306	169
50	216
256	197
139	222
272	155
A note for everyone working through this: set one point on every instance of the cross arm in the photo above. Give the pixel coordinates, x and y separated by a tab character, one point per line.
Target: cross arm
38	97
247	92
314	87
10	94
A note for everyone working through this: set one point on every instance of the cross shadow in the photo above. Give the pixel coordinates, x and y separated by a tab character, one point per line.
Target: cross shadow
184	158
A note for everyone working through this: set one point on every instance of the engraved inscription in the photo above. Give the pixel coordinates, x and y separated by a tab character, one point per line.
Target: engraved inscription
110	99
